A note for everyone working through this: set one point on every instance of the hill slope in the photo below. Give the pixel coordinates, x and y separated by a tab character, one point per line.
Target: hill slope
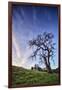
24	77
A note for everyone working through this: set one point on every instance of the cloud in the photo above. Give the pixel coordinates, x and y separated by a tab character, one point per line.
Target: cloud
20	57
16	46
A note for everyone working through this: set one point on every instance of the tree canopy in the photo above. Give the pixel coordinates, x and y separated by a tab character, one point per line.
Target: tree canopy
44	48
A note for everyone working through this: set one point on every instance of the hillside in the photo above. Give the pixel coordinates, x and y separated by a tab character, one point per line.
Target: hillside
23	77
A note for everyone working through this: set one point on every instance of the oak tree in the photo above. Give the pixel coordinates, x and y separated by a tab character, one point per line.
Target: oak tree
43	46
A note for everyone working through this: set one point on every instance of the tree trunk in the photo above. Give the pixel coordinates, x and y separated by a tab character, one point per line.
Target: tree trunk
48	69
48	66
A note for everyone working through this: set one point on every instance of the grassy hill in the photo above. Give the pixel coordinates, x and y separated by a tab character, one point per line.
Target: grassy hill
23	77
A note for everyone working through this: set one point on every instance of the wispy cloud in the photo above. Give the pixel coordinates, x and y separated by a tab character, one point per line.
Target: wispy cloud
20	58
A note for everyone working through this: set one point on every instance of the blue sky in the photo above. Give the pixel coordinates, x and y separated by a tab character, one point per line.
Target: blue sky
27	23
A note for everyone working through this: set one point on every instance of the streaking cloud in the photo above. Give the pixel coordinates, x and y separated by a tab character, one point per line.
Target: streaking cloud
16	46
18	56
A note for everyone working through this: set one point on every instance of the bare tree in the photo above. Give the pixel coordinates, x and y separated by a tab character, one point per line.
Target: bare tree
44	48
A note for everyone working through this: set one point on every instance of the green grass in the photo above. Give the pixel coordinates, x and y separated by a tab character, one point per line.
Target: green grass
24	77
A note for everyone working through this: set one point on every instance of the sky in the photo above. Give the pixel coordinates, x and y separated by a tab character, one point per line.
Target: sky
27	22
